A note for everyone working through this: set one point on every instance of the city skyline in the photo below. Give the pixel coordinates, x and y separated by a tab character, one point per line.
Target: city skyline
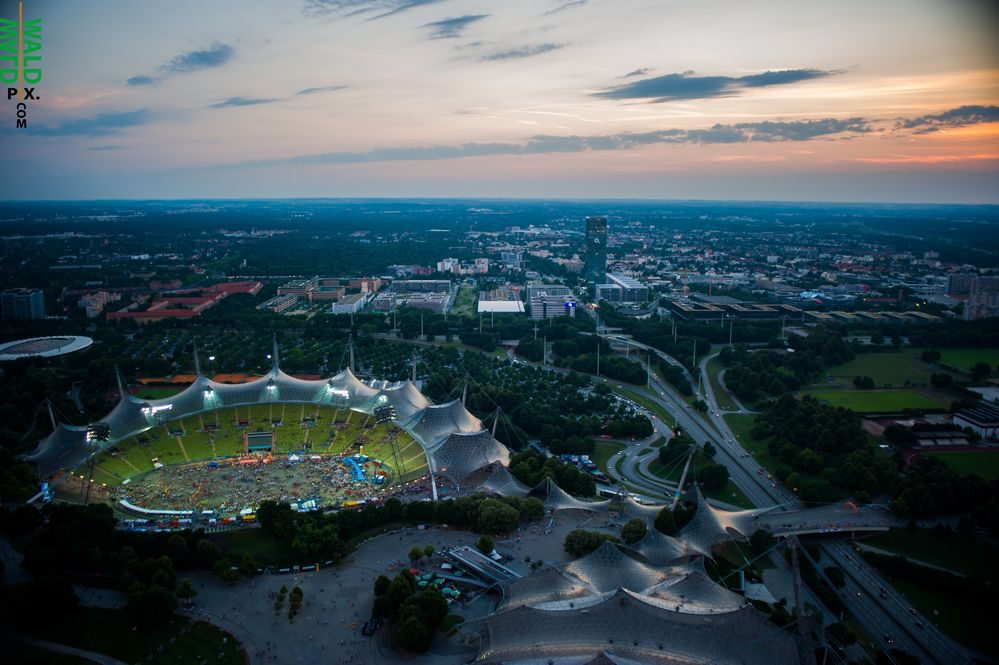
454	98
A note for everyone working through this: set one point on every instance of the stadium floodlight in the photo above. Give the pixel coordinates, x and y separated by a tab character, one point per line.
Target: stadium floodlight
99	432
384	413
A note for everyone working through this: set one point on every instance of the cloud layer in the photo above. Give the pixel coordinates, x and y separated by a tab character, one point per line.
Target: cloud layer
102	124
215	55
671	87
762	132
451	28
521	52
962	116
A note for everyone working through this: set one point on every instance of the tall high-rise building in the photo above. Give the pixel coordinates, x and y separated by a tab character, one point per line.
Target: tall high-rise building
23	304
596	248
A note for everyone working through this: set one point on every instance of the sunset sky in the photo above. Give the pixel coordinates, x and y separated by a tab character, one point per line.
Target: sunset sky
887	100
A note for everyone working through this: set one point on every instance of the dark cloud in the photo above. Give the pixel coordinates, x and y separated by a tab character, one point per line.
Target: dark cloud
450	28
687	86
383	8
325	88
100	125
242	101
962	116
141	80
568	4
638	72
215	55
522	52
765	132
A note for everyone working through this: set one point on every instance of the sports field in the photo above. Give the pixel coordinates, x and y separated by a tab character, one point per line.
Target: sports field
873	401
893	369
296	427
965	358
983	463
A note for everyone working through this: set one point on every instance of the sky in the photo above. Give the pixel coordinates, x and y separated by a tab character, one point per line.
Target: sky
843	100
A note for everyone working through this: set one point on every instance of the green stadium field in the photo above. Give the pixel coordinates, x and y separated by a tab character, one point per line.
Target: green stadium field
887	369
874	401
983	463
964	359
192	442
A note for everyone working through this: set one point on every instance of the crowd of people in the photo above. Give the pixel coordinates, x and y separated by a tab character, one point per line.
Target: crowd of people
232	485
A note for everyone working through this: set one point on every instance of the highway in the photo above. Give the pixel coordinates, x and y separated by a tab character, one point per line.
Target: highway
890	617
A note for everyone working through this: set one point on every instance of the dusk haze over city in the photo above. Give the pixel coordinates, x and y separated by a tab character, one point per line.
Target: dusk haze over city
551	332
828	101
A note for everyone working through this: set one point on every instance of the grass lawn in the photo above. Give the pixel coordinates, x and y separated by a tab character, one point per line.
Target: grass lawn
645	402
958	552
892	369
721	396
267	550
113	633
603	451
465	302
870	401
741	424
963	359
952	614
729	494
984	463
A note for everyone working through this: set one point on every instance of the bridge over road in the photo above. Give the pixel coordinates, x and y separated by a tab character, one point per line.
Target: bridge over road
835	518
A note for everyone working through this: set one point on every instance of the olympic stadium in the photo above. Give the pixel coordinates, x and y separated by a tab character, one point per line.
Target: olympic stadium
651	602
271	416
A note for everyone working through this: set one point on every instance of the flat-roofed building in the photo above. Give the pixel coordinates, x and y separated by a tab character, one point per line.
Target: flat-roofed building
327	293
297	287
23	304
983	420
434	301
422	285
535	289
549	307
351	304
279	304
384	302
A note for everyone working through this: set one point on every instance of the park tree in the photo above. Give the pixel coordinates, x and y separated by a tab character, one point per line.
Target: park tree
382	585
980	371
151	605
496	517
713	477
428	551
485	545
633	531
942	380
248	565
836	576
413	634
415	554
863	382
580	542
186	591
840	635
665	521
295	599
